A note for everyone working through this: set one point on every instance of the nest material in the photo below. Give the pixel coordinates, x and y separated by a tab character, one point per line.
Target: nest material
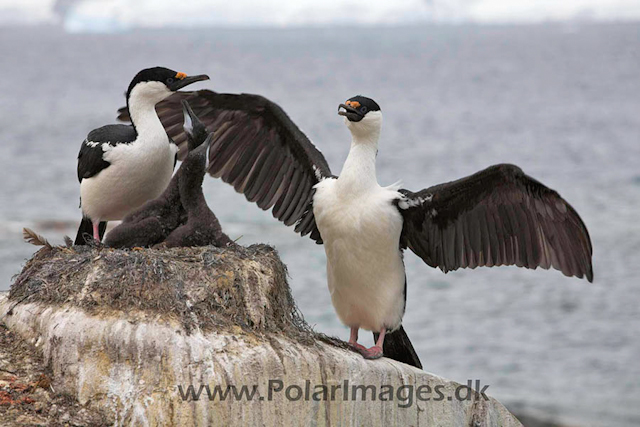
206	287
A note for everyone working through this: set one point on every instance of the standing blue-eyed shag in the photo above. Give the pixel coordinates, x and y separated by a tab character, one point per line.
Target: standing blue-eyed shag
498	216
122	166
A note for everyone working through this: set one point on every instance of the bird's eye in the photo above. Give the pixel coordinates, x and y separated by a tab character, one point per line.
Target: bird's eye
363	109
170	80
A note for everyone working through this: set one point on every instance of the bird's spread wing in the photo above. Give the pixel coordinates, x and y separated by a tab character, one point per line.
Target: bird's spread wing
256	148
90	160
498	216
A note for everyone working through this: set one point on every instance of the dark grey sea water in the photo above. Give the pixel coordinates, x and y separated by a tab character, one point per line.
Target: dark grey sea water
560	101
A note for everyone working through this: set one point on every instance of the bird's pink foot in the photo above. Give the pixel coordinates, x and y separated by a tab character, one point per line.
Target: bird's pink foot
358	347
96	230
353	341
374	352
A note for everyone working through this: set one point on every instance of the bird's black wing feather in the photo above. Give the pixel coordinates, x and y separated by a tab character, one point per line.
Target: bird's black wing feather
498	216
256	148
90	160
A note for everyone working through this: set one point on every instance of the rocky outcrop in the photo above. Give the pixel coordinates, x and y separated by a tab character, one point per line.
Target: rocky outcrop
208	336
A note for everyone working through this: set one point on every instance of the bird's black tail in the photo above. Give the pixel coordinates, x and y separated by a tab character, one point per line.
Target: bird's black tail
397	346
85	231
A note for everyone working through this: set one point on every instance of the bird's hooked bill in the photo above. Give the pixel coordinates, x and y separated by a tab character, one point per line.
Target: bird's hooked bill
349	109
349	106
188	117
182	80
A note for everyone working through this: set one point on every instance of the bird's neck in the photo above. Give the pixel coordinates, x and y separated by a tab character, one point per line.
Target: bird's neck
144	118
192	174
359	171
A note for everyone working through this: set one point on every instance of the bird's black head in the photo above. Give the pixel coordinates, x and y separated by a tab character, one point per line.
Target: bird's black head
193	127
357	107
170	79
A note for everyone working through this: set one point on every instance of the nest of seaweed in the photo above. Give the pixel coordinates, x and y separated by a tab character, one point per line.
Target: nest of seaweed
206	288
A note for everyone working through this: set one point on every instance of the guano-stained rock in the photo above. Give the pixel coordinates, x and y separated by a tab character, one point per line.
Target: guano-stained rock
128	332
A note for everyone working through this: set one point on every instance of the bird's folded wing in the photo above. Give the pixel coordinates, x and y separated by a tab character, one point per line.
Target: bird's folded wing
91	156
256	148
498	216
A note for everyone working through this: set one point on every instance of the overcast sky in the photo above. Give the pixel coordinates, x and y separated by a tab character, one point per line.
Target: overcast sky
105	14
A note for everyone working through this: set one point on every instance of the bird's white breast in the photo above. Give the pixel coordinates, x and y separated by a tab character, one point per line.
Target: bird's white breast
365	272
139	172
